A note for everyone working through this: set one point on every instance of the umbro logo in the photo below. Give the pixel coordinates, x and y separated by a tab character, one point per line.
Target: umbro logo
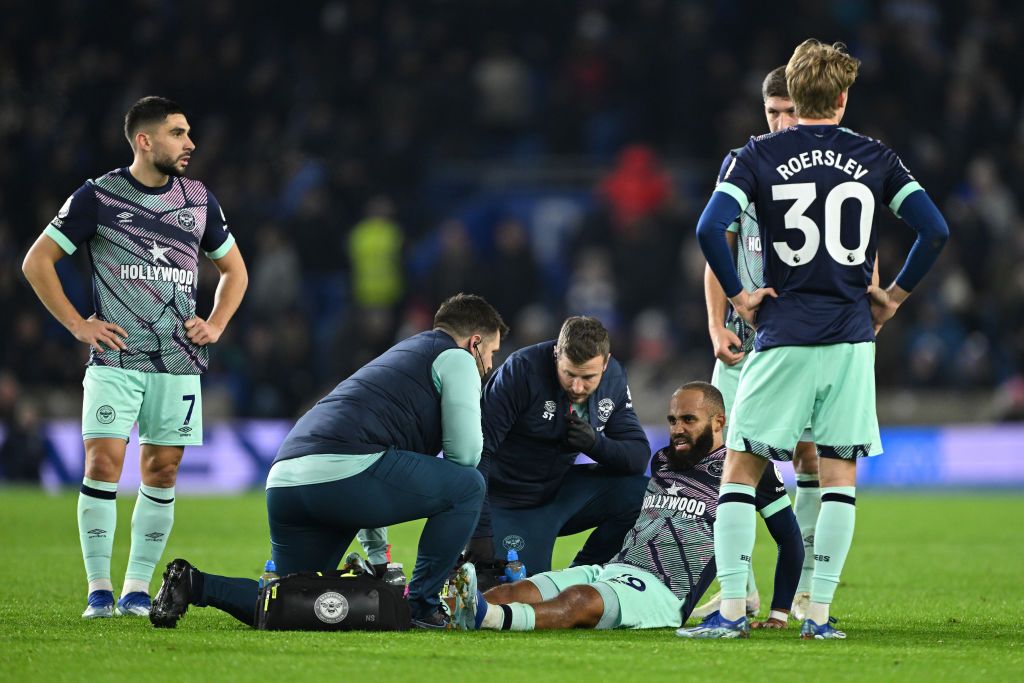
125	217
155	536
97	533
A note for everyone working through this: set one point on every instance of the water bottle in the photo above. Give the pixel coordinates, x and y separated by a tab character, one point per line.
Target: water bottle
514	569
394	574
269	573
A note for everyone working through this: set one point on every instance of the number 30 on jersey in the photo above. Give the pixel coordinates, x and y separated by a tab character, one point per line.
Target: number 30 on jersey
803	195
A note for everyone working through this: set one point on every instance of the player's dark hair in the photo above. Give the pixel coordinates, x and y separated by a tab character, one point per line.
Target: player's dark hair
464	315
775	84
150	109
712	397
582	338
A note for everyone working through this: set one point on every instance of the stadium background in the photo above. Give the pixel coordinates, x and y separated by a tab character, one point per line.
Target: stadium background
375	157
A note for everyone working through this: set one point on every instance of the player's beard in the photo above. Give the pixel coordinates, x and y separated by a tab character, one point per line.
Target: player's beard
698	451
168	166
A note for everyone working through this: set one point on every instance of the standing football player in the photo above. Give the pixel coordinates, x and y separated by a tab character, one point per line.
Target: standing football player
732	339
143	227
816	187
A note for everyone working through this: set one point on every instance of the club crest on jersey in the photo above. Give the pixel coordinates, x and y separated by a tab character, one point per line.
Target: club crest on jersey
186	219
716	467
549	410
604	409
330	607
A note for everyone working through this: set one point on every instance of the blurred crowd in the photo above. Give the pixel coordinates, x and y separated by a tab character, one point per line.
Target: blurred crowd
355	147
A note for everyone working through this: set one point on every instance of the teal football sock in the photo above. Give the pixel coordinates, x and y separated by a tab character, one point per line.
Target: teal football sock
519	616
832	540
97	518
735	529
151	525
806	508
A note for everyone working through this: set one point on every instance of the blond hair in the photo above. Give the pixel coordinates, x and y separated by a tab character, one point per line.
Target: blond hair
816	74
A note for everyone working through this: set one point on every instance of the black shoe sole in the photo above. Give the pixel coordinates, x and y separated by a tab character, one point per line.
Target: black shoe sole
161	614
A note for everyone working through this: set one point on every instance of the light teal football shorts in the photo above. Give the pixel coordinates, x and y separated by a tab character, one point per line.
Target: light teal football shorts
783	389
169	408
726	379
633	598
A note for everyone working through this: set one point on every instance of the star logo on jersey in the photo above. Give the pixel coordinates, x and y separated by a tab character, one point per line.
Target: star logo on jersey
158	253
674	489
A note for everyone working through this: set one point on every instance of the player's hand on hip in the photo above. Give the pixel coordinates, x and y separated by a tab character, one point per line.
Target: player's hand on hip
883	306
201	332
747	303
727	345
100	335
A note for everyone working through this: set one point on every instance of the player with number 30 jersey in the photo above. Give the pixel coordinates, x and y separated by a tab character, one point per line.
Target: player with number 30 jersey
817	187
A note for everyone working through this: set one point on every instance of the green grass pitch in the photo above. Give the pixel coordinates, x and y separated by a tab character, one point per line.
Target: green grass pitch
933	590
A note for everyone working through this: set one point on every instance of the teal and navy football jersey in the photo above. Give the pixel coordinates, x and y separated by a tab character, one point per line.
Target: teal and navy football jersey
749	260
673	537
817	189
143	245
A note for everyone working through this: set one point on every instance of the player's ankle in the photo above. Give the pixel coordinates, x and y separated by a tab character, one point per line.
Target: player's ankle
818	612
494	617
733	608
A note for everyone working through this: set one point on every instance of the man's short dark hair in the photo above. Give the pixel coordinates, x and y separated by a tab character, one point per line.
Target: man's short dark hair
775	84
464	315
150	109
583	338
713	400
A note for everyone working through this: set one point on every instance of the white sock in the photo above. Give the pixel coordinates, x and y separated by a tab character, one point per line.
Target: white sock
733	608
101	585
494	617
135	586
818	613
781	616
